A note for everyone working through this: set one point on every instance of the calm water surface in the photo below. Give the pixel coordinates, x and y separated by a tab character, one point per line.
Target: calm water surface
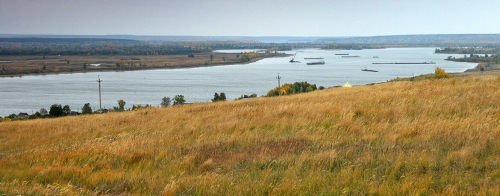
30	93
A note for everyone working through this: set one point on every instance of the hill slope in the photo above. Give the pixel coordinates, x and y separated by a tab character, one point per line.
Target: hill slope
423	137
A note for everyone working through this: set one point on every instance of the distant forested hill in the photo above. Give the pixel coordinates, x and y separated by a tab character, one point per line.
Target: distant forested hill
398	40
446	39
37	40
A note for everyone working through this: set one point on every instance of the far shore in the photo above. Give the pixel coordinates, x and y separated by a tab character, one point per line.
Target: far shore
50	65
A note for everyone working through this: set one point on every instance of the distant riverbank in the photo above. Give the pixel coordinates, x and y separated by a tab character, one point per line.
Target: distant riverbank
13	66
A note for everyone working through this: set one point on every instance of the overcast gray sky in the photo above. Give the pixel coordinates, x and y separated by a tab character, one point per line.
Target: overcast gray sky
249	18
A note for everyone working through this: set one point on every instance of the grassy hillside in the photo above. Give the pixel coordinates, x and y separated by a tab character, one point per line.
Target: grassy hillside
419	138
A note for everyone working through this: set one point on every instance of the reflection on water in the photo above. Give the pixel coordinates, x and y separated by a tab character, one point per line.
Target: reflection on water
30	93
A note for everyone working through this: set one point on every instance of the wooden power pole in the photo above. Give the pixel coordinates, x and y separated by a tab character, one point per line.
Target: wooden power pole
279	86
99	80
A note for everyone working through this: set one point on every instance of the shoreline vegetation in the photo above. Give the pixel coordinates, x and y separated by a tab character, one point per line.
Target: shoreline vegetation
21	56
422	137
12	66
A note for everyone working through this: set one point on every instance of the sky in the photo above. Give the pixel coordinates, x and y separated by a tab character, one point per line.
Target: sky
308	18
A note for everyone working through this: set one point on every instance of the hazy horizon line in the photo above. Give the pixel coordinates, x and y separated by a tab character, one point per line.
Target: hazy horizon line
29	34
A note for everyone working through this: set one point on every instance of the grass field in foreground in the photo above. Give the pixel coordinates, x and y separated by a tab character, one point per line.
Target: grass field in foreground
399	138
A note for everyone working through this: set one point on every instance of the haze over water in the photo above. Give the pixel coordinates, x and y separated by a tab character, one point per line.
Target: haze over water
30	93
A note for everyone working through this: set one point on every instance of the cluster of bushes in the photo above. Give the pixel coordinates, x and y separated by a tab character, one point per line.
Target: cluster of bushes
468	50
494	59
247	96
217	97
290	89
55	110
247	56
439	73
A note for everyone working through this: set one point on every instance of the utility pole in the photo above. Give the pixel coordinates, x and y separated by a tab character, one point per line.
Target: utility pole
99	80
279	86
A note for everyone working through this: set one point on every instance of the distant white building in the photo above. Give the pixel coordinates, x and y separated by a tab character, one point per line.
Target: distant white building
347	84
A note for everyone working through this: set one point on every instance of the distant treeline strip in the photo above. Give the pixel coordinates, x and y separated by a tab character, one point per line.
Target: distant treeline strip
66	40
352	46
487	49
90	46
96	50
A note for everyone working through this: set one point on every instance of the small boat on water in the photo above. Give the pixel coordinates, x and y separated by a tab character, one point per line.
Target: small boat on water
343	54
316	63
370	70
293	59
375	57
315	58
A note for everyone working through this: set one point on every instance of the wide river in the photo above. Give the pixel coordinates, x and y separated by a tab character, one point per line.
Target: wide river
30	93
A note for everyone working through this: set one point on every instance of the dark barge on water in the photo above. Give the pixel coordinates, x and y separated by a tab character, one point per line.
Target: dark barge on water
370	70
409	63
315	58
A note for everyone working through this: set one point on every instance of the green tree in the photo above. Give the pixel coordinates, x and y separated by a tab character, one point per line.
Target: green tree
86	109
121	105
216	97
222	97
165	102
66	110
309	89
56	110
11	116
179	100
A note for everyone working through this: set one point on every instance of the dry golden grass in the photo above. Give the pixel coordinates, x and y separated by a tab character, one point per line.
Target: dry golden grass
401	138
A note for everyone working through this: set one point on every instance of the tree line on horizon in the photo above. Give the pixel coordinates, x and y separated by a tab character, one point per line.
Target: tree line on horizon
42	47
